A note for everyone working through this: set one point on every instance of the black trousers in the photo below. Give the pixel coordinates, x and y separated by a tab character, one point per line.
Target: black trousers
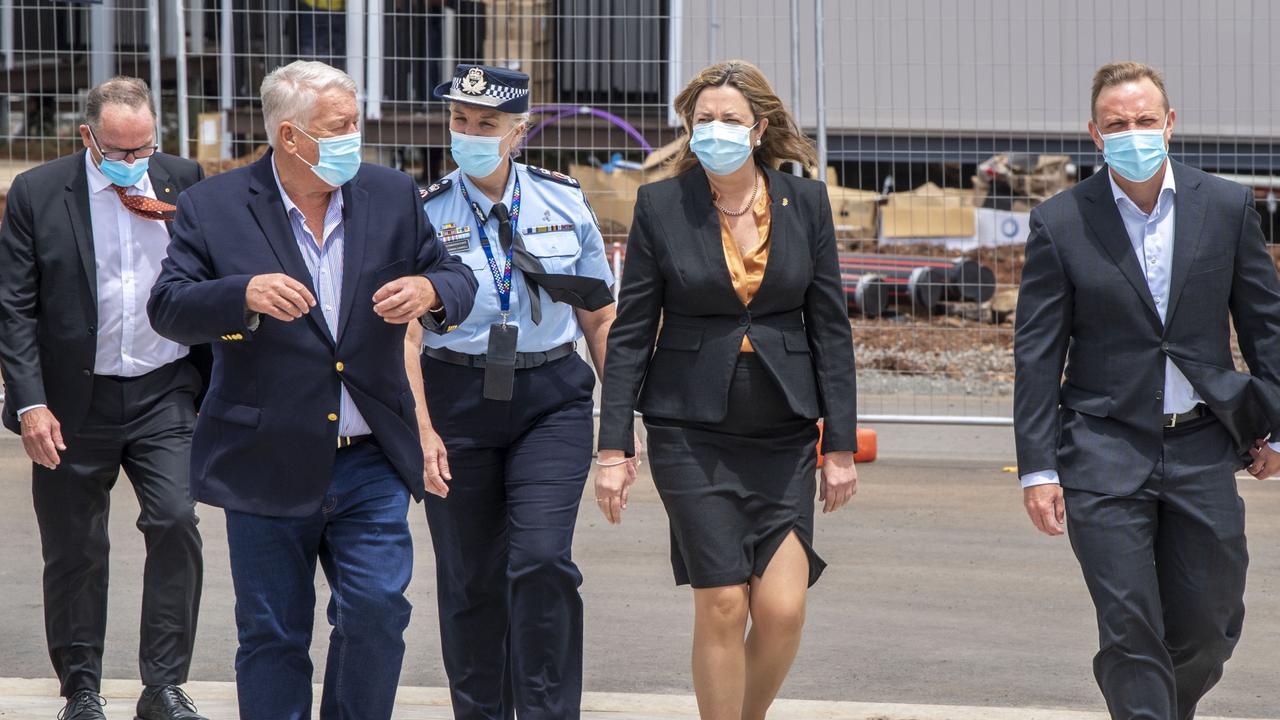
144	426
1166	569
510	613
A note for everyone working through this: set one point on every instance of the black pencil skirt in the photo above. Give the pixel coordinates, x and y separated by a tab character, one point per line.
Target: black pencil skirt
734	490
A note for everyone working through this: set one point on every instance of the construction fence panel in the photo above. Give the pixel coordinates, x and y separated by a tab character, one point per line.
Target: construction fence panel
940	124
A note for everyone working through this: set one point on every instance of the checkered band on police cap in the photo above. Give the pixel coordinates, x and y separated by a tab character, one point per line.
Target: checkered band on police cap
484	86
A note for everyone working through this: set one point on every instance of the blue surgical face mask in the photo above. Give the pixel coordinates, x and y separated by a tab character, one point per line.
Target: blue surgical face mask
476	155
1137	155
720	147
339	158
120	172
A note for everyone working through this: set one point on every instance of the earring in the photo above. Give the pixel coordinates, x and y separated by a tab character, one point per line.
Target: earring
757	142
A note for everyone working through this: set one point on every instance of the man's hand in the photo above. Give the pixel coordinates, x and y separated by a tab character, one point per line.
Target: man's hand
405	299
839	481
1266	462
42	437
1045	507
435	471
279	296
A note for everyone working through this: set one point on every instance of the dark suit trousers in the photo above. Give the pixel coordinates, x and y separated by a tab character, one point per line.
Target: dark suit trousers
144	426
510	613
1166	569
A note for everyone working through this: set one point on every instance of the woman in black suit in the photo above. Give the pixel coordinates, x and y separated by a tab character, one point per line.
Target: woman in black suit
736	262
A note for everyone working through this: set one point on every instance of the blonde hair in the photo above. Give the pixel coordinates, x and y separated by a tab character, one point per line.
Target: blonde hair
782	139
1119	73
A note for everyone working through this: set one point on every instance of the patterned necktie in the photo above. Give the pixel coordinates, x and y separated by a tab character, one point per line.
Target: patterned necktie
145	207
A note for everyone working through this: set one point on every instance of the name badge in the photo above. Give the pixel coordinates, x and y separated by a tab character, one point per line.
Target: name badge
456	239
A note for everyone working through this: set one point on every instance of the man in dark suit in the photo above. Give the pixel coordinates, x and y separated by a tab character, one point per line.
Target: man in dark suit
303	270
92	389
1130	417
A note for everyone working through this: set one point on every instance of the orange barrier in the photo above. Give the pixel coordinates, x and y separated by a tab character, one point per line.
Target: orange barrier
866	445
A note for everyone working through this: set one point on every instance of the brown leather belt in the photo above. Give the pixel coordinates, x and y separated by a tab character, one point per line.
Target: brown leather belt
524	360
1173	420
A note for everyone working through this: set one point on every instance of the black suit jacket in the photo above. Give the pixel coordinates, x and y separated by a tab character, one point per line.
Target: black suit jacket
266	436
49	287
1085	310
676	272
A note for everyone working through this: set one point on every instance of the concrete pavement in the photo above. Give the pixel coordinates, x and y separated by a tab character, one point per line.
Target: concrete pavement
939	595
29	700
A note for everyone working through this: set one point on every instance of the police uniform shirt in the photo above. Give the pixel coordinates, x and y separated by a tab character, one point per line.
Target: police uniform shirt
557	227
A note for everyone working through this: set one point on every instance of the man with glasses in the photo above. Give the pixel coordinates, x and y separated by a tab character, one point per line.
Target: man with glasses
93	389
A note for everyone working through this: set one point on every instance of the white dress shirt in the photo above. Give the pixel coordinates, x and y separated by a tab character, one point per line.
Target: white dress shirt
127	251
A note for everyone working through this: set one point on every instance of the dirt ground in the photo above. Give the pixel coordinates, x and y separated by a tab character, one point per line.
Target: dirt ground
953	345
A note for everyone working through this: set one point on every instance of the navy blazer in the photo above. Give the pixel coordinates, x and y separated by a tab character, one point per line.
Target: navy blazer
266	435
1090	349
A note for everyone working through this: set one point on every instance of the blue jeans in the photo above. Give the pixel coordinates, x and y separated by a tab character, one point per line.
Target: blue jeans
360	535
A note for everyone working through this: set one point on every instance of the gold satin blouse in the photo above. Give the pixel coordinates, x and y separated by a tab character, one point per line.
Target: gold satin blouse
747	271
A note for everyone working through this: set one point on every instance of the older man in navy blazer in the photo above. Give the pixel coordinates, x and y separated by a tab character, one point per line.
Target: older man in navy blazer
303	271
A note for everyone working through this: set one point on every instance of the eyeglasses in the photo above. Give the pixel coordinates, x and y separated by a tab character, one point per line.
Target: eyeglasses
137	153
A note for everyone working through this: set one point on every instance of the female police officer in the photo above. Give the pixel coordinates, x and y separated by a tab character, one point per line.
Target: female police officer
510	400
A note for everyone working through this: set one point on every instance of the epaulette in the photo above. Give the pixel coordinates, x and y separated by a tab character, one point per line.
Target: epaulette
553	175
435	189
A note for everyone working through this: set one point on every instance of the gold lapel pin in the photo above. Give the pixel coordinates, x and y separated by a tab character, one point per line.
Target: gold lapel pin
785	201
167	190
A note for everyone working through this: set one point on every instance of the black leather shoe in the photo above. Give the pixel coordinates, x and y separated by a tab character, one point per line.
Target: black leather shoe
166	702
83	705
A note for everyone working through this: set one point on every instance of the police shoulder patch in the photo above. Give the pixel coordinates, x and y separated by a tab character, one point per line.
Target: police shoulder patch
435	189
553	175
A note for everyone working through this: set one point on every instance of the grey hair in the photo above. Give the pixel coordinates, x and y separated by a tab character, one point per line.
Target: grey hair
130	92
289	92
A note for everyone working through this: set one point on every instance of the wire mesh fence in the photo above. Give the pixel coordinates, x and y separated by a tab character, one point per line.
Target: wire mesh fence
940	123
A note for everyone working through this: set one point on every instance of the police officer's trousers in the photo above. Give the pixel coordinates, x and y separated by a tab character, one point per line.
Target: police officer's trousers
510	612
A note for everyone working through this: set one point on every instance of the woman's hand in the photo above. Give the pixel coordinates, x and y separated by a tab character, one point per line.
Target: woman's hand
839	481
614	475
435	468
